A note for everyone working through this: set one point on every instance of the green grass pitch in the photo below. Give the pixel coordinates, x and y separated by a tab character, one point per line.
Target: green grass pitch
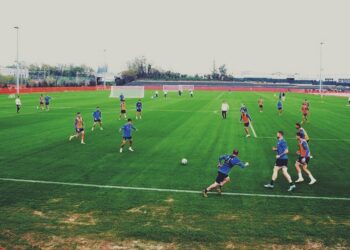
34	146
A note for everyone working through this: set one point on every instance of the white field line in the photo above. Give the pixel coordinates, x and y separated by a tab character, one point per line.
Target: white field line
311	139
291	196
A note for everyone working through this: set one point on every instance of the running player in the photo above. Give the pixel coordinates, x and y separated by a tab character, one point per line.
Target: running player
279	107
305	112
304	134
127	135
245	117
41	102
97	115
122	110
18	104
225	164
139	109
303	160
224	109
47	102
243	108
79	128
281	162
261	104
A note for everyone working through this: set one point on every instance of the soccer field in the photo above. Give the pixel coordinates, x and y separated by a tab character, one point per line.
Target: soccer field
161	214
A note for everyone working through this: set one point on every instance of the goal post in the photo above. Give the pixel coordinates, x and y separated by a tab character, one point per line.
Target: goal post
127	91
187	87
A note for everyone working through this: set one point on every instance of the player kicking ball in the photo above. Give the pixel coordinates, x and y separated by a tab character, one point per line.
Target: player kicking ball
225	164
127	128
79	128
281	162
97	115
303	159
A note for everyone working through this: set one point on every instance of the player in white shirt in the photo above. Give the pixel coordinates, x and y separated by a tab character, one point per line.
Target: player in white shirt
224	108
349	100
18	104
191	93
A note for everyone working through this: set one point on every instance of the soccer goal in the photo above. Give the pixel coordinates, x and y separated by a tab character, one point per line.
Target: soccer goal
127	91
187	87
176	88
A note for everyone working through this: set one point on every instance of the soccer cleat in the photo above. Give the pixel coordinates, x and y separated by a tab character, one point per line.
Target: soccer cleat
121	150
130	149
205	193
312	181
291	188
137	118
71	137
299	180
248	135
82	142
92	129
101	128
269	186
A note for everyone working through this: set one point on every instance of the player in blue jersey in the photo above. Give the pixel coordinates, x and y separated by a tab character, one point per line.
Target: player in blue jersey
139	109
121	97
225	164
281	162
279	107
127	129
97	115
47	102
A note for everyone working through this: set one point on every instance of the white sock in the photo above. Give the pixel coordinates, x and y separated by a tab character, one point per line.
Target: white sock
300	175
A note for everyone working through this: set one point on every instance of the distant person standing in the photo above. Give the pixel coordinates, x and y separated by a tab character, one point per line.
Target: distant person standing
180	92
156	94
139	109
121	97
41	102
47	102
122	110
279	107
18	104
305	112
283	96
191	93
165	94
261	104
224	109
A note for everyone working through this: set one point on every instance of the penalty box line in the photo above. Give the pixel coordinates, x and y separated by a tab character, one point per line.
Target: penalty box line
174	190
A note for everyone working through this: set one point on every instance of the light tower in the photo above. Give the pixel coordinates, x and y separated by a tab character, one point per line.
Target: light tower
17	62
321	66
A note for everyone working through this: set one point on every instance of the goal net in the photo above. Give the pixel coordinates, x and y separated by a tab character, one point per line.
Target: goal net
170	88
127	91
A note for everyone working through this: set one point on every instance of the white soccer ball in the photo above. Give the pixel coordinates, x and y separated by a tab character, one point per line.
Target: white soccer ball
184	161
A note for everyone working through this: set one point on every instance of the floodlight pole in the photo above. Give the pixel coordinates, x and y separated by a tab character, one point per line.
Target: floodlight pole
17	62
321	67
104	72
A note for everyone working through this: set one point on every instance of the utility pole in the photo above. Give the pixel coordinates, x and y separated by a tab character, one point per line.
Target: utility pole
17	62
321	67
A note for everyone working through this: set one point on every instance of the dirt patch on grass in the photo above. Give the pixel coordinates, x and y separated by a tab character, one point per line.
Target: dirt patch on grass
85	243
55	200
153	210
169	200
309	245
39	214
80	219
227	217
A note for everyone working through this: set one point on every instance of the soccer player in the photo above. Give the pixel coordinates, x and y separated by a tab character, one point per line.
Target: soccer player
303	160
279	107
245	117
18	104
121	97
138	109
97	115
156	94
261	104
165	94
191	93
47	102
180	92
349	100
243	108
127	135
304	134
225	164
224	109
122	110
283	96
41	102
281	162
79	128
305	112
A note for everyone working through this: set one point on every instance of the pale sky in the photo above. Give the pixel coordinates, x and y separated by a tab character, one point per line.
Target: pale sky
261	36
